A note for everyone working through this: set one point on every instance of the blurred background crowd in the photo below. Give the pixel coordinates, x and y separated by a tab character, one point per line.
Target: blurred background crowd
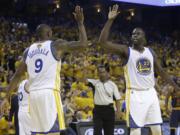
17	33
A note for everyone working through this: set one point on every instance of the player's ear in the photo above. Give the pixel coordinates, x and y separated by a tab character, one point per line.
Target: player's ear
50	34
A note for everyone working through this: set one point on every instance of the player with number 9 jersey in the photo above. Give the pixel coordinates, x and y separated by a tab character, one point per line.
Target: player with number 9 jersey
43	68
44	87
42	61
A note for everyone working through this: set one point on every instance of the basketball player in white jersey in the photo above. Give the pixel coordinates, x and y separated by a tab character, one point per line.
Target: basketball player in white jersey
142	105
23	113
42	61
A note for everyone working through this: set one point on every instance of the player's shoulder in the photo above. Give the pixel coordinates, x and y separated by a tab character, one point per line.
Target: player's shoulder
25	53
24	81
111	82
58	41
151	51
93	81
41	43
148	48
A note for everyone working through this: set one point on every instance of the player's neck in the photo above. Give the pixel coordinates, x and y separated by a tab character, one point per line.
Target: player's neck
139	48
103	80
42	39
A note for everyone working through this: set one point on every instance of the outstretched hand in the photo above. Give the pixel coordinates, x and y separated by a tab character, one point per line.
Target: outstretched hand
78	14
113	12
118	115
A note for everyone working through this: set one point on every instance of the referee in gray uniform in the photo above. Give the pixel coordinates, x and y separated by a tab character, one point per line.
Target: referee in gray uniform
105	91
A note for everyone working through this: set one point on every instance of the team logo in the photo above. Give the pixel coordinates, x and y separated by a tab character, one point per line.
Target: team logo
89	132
143	66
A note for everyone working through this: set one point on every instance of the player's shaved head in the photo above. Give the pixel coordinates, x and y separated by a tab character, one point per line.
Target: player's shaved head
138	38
139	29
44	31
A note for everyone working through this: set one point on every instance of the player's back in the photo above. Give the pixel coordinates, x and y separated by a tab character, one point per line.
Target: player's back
43	68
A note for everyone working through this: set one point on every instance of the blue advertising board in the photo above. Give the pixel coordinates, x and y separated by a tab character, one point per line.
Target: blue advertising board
153	2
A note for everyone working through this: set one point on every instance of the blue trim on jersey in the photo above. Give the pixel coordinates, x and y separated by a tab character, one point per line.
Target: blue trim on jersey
25	54
127	57
134	125
54	129
53	51
151	50
152	124
27	92
56	125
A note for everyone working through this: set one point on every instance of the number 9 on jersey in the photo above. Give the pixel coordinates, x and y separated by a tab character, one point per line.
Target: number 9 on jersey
38	65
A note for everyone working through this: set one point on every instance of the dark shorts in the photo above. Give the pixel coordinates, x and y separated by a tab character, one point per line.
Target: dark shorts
175	118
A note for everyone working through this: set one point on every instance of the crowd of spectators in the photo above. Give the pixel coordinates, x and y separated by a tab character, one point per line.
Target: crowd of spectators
77	96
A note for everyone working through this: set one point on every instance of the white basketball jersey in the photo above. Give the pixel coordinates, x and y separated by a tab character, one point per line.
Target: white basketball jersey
43	68
139	70
23	97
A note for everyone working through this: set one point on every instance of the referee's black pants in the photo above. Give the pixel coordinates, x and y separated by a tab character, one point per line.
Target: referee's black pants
103	118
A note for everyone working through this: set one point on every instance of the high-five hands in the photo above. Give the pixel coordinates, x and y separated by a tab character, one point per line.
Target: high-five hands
78	14
113	12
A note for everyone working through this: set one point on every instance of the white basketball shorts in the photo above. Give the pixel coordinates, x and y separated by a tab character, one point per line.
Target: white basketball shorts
46	112
24	122
142	108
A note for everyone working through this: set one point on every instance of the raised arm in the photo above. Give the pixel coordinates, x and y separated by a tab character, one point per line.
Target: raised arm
62	46
20	71
15	80
103	39
160	71
79	17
